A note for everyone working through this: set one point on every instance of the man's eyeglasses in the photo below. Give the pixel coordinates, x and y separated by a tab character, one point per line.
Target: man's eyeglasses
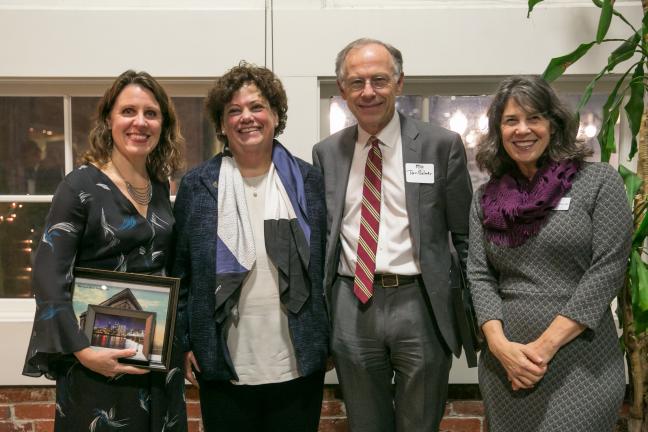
377	82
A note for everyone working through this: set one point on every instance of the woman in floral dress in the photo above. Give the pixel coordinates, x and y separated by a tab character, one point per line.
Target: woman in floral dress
111	213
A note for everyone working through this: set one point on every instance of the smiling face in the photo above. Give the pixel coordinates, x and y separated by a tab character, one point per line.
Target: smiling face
135	122
525	136
249	122
374	101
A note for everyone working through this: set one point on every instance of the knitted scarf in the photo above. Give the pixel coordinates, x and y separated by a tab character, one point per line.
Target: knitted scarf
515	209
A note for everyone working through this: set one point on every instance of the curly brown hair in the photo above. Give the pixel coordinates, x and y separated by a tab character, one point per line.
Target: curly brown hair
246	73
533	94
166	159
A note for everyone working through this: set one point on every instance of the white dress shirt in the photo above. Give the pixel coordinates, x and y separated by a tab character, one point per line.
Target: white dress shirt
395	252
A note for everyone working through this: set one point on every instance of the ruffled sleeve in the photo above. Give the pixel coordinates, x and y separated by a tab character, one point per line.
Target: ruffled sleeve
56	332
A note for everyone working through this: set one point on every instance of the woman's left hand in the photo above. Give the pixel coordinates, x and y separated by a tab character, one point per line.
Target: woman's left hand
190	364
560	332
330	364
541	349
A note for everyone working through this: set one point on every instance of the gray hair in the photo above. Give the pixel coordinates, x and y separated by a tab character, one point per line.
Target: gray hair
397	57
534	95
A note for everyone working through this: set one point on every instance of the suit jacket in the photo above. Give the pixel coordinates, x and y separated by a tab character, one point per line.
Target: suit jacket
437	212
194	261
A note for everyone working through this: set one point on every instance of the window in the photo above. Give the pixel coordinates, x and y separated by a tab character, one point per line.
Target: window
42	138
466	115
44	128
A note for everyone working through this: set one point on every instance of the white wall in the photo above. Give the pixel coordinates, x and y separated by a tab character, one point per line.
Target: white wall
203	38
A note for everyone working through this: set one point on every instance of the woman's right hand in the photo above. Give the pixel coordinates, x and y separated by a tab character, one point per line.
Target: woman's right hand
522	371
105	362
523	367
190	364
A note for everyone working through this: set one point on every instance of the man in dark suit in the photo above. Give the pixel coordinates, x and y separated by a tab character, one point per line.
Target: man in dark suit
393	203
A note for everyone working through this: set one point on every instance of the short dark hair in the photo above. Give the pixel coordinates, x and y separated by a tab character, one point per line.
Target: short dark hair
395	53
246	73
166	159
534	95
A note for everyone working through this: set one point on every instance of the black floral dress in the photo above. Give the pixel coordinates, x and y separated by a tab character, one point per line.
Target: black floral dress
92	224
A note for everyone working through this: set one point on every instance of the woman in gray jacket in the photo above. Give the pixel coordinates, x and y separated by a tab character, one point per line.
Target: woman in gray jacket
549	243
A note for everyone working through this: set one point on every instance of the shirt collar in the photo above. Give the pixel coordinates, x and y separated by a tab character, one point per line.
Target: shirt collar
388	136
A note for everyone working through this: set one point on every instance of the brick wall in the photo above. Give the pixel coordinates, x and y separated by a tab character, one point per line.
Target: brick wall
31	409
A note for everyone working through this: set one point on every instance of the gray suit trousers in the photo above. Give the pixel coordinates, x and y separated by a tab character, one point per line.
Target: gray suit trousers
392	338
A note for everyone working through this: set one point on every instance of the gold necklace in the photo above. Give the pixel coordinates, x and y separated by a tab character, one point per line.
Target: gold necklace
141	195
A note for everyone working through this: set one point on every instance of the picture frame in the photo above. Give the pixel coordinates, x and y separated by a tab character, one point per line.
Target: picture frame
115	328
92	288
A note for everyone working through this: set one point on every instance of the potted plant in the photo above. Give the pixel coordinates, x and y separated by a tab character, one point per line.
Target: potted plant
628	94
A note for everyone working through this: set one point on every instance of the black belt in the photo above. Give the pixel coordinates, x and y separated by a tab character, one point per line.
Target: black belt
388	280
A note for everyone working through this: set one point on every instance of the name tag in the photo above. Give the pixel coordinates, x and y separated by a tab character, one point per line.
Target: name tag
563	204
419	173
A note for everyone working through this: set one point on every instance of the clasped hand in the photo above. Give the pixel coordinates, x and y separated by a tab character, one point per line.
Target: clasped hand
525	364
106	362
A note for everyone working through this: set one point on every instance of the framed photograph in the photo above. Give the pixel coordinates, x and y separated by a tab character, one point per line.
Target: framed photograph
115	328
156	295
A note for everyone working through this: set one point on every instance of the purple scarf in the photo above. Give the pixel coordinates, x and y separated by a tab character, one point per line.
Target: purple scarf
516	209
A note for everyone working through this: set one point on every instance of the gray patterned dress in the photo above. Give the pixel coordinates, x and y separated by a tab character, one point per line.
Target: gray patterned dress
574	267
92	224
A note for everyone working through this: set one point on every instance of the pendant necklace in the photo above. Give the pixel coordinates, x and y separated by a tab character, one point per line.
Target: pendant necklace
141	195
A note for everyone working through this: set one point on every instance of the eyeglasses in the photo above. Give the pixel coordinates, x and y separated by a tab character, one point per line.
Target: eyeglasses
377	82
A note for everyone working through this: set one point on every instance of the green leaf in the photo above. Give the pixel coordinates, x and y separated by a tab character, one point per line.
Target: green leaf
640	322
604	20
642	288
532	4
606	137
640	233
558	65
635	106
632	183
607	129
587	94
639	294
599	4
633	273
624	51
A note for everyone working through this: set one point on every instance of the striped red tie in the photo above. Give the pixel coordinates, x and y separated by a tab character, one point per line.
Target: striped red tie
369	224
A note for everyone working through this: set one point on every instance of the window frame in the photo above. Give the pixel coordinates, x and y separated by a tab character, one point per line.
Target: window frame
13	310
16	314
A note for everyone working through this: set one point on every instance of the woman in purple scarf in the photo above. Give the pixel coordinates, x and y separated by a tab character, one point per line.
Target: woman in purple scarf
549	242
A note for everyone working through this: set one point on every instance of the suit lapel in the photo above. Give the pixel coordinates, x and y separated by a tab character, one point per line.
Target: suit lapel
411	154
344	154
341	157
